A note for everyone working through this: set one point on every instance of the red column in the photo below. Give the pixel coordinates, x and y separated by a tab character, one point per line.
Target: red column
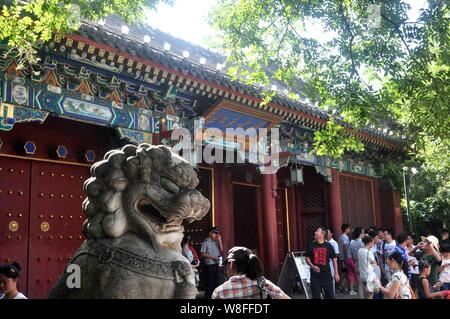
389	200
335	205
223	199
269	183
398	219
293	227
376	197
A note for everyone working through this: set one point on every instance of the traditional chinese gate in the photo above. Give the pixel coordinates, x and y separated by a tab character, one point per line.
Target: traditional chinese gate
247	220
15	213
312	204
41	219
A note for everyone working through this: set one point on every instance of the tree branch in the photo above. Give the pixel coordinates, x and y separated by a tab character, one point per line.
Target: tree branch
399	32
350	45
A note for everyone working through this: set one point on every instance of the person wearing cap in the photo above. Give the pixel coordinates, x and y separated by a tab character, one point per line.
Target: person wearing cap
211	251
9	276
429	251
246	280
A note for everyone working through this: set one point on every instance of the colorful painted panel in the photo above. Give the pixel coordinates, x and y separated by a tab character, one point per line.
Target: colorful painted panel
41	99
323	163
135	137
226	118
11	114
89	110
227	114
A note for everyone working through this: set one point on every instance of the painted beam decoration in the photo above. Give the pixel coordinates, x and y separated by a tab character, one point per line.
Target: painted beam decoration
227	114
230	115
11	114
61	87
324	164
38	100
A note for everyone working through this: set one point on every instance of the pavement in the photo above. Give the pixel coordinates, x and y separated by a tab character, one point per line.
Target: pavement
339	295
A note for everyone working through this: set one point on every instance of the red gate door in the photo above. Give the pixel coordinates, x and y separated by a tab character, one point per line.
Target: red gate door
56	219
14	216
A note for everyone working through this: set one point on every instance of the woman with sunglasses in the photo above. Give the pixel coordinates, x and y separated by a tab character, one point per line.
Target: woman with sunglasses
9	276
246	280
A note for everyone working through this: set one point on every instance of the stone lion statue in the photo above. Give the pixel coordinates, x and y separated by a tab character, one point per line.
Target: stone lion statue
137	199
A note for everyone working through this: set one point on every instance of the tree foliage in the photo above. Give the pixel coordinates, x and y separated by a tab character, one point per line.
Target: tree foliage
25	24
393	75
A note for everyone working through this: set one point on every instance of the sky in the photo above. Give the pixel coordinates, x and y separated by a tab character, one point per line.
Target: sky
187	19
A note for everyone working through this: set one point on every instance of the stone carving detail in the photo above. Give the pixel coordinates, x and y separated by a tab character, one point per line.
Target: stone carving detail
138	197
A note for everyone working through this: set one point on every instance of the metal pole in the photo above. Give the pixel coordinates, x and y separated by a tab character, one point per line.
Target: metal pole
407	201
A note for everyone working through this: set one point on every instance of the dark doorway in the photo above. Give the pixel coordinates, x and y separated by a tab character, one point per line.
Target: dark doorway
245	216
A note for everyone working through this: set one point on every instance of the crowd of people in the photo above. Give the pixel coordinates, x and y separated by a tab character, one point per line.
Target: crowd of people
376	264
245	278
371	263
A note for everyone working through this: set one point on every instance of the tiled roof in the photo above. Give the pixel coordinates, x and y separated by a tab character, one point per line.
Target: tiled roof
134	42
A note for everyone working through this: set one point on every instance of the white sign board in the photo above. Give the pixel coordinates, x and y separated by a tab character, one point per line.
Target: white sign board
295	264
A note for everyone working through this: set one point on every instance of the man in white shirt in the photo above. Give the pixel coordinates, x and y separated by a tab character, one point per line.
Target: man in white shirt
413	264
366	264
387	248
335	246
344	241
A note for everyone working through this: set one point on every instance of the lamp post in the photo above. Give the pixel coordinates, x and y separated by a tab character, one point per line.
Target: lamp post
414	171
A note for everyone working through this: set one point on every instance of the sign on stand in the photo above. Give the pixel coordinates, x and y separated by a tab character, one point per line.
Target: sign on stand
295	264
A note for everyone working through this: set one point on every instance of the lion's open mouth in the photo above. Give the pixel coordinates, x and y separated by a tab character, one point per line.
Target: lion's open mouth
148	209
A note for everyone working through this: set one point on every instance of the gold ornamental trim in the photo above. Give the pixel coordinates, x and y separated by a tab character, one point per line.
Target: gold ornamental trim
13	226
45	227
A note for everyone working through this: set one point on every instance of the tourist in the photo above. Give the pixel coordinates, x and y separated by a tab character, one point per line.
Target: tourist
424	291
318	256
402	249
191	256
398	286
379	245
335	246
246	280
387	248
355	244
377	235
192	248
445	240
351	270
374	249
428	250
413	265
444	270
9	276
370	229
344	241
366	266
211	251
